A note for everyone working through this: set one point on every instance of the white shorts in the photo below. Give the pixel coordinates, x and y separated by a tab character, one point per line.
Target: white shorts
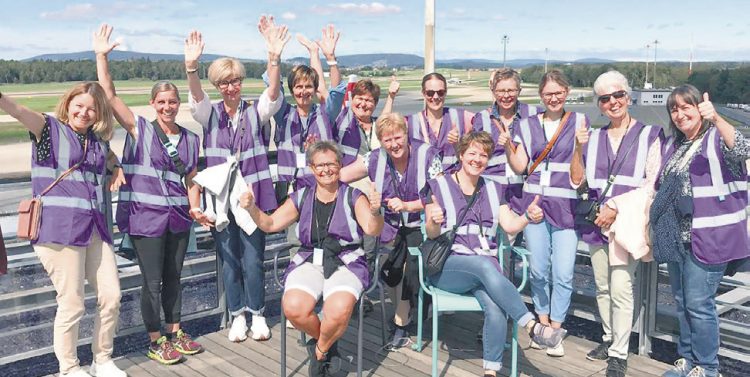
309	278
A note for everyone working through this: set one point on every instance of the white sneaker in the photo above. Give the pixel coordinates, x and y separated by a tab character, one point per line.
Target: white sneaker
536	345
238	331
77	373
289	324
260	329
108	369
558	351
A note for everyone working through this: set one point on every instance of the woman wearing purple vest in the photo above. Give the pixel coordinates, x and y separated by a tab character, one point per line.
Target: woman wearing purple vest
628	152
400	168
699	215
75	243
153	208
233	128
473	266
333	217
305	122
439	125
501	121
552	242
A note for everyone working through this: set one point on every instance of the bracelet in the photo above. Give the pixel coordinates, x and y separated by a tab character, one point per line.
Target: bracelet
189	71
526	215
194	209
332	62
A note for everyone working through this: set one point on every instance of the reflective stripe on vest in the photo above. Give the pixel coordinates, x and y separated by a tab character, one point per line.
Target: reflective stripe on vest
640	163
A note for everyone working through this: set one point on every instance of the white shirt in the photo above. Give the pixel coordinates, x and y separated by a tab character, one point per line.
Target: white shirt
201	111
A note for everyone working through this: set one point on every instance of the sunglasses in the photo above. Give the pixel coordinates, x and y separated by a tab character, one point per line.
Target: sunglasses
617	95
431	93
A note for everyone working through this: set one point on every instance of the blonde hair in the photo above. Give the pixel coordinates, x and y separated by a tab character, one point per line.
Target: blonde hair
554	76
164	86
103	124
390	122
224	69
504	74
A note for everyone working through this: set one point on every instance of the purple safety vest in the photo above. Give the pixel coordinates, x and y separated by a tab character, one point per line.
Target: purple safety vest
452	117
558	199
220	141
154	199
599	158
719	228
343	227
290	138
346	131
420	158
487	207
75	206
498	168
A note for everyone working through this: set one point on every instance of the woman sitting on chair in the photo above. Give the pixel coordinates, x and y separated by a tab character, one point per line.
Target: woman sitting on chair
331	262
473	265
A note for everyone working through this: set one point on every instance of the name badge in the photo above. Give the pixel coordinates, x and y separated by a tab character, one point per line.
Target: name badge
483	242
545	178
301	160
318	256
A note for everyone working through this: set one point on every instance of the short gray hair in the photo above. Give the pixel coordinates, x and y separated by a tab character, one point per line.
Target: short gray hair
610	78
322	146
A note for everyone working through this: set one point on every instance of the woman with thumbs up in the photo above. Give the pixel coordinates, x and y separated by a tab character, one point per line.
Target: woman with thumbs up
628	151
475	207
333	218
699	215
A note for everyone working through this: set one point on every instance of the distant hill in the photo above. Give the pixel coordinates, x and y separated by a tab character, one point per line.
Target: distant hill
353	61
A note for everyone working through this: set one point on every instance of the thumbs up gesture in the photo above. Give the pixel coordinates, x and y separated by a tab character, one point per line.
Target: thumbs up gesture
393	87
247	198
375	199
435	213
534	213
453	135
706	108
582	135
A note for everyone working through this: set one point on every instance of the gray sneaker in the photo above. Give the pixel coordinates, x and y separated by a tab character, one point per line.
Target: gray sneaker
681	369
700	372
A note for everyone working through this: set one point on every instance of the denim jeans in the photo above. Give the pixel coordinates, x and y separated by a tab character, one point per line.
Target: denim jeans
552	250
694	286
496	294
242	261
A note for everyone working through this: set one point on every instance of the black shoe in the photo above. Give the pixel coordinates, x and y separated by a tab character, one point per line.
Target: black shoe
399	339
367	305
600	352
315	368
616	367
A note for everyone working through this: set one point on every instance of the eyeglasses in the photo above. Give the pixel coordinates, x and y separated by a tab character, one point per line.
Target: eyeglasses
325	166
506	92
548	96
431	93
235	82
617	95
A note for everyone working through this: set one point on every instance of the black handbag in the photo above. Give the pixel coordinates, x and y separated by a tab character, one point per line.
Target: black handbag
436	251
586	210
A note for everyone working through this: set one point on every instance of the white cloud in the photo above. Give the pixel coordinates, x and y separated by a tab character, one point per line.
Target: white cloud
289	16
86	11
373	8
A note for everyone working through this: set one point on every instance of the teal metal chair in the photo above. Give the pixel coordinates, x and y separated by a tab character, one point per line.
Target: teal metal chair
443	301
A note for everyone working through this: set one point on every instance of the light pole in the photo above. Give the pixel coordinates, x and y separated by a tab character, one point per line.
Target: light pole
429	36
546	58
656	42
648	47
505	45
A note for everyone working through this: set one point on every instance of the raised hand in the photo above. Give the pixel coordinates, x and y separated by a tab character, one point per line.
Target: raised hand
453	135
706	108
534	213
276	38
393	87
247	198
396	205
265	24
100	40
436	214
582	135
375	199
193	49
328	41
311	46
503	138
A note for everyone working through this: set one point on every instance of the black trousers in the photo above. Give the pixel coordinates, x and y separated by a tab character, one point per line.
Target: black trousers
160	260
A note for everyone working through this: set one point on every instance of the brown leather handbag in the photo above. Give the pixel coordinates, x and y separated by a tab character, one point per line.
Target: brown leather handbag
30	210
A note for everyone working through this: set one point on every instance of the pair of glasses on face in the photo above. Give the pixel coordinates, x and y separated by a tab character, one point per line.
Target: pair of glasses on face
506	92
616	95
431	93
328	166
558	95
235	82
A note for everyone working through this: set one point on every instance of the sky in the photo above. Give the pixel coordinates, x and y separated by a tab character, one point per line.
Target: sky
570	30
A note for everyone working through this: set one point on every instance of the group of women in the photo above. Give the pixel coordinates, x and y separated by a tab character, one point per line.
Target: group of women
513	166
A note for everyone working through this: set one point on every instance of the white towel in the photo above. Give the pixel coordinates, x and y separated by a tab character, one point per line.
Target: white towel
215	182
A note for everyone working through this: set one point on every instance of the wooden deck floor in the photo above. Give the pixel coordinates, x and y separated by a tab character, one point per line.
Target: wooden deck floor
460	355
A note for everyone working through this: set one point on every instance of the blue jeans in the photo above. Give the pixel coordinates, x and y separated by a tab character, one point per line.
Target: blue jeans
242	262
552	250
496	294
694	286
